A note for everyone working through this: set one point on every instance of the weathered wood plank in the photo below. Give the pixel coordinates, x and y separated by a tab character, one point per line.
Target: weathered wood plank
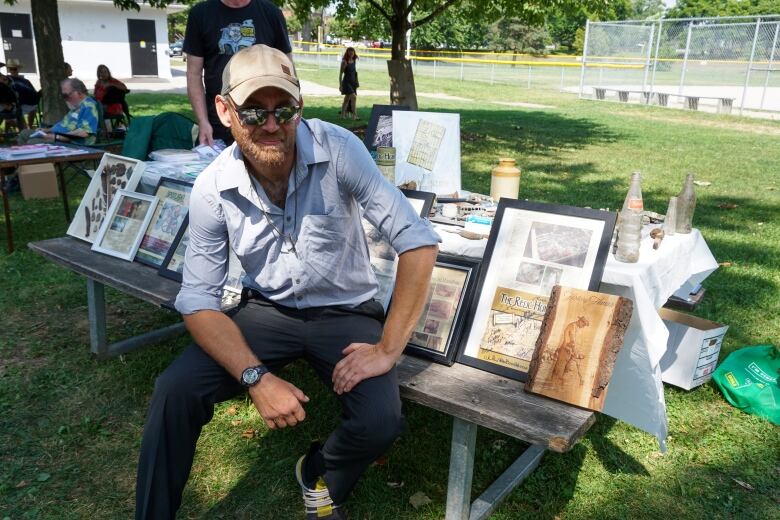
493	402
132	278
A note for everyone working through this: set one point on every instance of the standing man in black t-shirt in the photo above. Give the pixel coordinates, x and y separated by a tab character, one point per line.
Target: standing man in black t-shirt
217	29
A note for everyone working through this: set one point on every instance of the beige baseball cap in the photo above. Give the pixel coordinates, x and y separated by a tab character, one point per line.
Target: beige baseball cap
255	67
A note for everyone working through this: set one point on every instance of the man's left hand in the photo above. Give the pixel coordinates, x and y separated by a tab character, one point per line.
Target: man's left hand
362	361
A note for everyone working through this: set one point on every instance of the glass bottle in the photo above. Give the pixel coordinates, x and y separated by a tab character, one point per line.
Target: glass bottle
670	221
633	200
629	237
686	204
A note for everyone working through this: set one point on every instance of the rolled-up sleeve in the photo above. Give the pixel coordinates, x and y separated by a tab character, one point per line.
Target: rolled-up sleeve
385	206
205	264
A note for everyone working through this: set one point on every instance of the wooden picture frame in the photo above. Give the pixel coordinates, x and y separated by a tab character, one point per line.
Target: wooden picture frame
437	333
114	172
172	209
532	247
124	224
381	122
421	200
172	265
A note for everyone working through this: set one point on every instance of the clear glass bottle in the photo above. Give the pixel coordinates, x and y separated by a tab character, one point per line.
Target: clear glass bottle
686	205
670	221
629	237
633	200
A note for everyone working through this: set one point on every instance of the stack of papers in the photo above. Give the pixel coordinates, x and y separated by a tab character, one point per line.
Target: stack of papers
173	155
25	150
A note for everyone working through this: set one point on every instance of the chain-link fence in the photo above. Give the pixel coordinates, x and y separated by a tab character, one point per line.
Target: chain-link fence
712	63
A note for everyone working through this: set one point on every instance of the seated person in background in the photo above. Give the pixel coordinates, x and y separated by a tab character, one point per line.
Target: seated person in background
9	103
105	82
79	125
26	92
68	70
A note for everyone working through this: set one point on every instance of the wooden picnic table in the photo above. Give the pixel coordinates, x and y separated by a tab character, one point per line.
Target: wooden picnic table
472	397
8	165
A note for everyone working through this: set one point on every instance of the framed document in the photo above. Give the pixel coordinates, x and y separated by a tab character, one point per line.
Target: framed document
122	229
172	265
113	173
174	203
532	247
379	131
437	333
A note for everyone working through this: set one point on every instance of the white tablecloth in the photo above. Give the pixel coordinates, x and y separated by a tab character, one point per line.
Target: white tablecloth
635	391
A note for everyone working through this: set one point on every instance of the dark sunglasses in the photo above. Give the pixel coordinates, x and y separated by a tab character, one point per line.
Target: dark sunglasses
66	96
258	116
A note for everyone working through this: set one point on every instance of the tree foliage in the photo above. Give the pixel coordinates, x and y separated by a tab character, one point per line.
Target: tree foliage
698	8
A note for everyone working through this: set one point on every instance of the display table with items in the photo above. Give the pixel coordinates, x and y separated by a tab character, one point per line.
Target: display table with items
12	157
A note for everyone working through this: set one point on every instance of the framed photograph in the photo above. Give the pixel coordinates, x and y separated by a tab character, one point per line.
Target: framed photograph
172	265
113	173
427	150
382	255
437	333
380	126
123	228
172	208
532	247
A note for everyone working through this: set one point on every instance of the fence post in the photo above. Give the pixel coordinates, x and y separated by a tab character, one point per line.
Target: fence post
655	61
584	57
529	76
434	68
685	59
647	62
771	62
750	66
562	69
492	72
461	69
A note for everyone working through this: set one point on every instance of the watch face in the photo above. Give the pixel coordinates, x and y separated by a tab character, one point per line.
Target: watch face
250	376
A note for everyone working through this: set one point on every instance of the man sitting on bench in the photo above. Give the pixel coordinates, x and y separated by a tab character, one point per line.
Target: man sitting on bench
286	197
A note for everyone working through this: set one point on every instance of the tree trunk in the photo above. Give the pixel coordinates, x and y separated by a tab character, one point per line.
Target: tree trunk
51	63
306	32
402	91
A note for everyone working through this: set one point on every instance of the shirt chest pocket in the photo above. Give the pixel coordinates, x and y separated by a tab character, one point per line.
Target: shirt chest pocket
328	246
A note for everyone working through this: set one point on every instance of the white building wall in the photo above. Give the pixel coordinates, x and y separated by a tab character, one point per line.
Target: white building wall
95	32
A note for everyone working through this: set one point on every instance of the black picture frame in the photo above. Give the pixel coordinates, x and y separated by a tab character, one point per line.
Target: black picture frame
532	247
438	331
426	196
167	182
378	111
165	269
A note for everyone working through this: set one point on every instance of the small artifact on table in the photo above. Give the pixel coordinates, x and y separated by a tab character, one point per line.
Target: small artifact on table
581	335
411	185
657	234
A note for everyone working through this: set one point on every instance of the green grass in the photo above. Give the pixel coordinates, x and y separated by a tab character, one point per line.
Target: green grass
70	425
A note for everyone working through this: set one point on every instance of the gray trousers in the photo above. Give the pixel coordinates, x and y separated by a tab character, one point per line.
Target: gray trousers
185	394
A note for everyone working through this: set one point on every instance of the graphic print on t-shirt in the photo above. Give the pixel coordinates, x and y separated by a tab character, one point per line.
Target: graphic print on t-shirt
236	37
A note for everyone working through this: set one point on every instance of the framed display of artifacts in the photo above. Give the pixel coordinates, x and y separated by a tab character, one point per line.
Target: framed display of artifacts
379	131
437	333
172	265
532	247
174	203
427	150
381	253
112	174
124	224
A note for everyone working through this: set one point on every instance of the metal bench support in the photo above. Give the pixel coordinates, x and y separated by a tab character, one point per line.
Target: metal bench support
464	437
96	305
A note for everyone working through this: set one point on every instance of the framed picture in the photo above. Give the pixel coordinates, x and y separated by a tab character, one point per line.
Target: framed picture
174	203
113	173
123	228
427	150
437	333
532	247
382	255
380	126
172	265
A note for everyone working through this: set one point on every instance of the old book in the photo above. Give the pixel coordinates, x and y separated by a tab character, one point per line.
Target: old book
582	333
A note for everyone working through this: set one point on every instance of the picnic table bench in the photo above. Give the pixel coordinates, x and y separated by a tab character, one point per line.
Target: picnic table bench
472	397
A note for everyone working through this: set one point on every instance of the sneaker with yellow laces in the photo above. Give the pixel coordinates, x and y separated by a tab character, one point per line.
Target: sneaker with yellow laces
316	499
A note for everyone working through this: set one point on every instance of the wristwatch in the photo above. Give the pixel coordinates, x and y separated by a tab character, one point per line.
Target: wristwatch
252	375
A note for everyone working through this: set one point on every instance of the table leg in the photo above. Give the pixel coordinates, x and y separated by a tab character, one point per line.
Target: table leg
464	439
63	190
9	232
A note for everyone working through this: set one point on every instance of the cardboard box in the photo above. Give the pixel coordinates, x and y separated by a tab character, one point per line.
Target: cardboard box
692	350
38	181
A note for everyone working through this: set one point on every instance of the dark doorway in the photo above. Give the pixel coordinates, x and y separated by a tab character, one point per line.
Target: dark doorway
17	36
143	47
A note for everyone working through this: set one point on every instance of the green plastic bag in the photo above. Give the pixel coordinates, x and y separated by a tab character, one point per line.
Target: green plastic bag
749	379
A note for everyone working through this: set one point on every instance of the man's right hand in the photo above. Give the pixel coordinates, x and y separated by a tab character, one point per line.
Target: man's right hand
278	402
205	133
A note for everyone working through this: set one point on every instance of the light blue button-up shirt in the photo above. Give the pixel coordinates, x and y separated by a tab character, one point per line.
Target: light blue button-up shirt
333	177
